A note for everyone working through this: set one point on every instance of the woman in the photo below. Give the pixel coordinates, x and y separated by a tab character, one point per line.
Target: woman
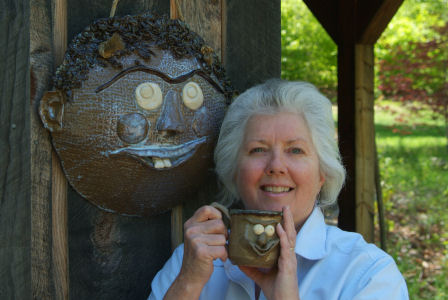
276	151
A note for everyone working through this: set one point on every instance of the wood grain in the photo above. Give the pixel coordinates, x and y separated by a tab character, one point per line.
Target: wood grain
41	61
203	17
15	180
365	141
59	183
253	42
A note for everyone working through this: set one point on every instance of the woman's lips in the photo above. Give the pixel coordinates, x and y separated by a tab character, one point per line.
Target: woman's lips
276	189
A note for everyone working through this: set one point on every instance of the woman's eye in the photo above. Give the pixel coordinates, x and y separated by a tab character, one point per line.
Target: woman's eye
296	151
256	150
192	95
148	95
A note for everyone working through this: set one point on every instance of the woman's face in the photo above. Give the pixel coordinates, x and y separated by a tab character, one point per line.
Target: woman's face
278	165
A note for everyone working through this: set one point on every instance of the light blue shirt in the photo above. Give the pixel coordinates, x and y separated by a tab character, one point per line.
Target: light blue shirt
331	264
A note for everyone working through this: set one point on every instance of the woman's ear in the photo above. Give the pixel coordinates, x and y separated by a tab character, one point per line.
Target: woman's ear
51	110
321	178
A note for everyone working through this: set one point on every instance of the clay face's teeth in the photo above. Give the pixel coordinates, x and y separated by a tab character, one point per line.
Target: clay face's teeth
276	189
167	162
160	163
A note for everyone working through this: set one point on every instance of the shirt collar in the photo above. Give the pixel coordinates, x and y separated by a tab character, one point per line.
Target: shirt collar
311	239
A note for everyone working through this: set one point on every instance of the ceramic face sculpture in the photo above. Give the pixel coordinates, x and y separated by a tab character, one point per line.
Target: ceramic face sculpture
253	240
136	113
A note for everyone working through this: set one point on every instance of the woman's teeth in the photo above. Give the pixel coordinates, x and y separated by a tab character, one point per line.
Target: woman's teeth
276	189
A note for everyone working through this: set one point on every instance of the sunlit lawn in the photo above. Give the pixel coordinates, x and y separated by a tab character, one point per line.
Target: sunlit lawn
413	160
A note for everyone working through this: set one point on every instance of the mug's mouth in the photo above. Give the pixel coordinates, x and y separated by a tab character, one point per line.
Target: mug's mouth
264	249
161	157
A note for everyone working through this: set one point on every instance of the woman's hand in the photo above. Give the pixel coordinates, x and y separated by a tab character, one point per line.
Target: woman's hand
204	241
281	282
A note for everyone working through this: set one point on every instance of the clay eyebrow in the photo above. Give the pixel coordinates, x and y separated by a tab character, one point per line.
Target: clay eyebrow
172	80
262	222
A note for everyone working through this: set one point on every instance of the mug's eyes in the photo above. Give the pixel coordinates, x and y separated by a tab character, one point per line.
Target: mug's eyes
192	95
148	95
258	229
270	230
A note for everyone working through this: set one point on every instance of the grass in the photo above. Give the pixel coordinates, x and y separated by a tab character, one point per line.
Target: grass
413	158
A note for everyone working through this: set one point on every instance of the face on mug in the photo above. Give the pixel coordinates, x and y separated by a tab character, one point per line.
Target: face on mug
139	139
253	240
260	235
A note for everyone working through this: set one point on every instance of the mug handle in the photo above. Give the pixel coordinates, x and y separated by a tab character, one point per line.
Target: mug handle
224	211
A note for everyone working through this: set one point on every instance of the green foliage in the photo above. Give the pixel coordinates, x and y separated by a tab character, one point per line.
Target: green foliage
412	55
308	52
417	71
414	173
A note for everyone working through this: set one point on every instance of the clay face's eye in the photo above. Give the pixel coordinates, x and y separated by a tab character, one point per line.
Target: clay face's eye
148	95
270	230
258	229
192	95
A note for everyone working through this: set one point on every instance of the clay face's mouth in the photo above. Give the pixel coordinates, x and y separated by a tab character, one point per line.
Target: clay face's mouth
162	157
264	249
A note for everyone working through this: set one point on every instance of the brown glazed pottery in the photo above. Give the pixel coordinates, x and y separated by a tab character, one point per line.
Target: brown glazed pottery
136	112
253	240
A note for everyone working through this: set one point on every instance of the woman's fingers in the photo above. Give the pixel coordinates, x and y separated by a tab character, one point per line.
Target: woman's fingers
206	213
288	225
286	247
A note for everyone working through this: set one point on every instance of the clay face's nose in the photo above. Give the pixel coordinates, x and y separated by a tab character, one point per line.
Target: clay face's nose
170	120
262	239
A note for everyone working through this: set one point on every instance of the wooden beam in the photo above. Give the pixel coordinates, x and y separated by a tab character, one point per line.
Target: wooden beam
325	12
346	111
203	17
379	21
15	192
253	42
365	141
59	183
41	68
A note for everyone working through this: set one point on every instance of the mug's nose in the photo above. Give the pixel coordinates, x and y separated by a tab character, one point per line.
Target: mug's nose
262	239
170	119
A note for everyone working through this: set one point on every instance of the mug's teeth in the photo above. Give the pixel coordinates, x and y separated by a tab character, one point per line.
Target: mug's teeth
158	163
167	162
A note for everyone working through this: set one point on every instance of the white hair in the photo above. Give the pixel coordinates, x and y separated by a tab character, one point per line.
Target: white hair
272	97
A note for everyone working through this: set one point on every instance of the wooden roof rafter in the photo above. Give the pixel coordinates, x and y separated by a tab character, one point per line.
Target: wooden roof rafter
371	17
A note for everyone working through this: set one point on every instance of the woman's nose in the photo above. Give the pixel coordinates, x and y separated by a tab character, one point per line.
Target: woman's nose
170	119
276	164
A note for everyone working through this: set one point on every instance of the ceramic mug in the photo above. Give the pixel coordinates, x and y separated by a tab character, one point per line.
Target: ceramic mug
253	239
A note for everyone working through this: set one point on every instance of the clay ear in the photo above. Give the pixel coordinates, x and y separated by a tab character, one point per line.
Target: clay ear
51	110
